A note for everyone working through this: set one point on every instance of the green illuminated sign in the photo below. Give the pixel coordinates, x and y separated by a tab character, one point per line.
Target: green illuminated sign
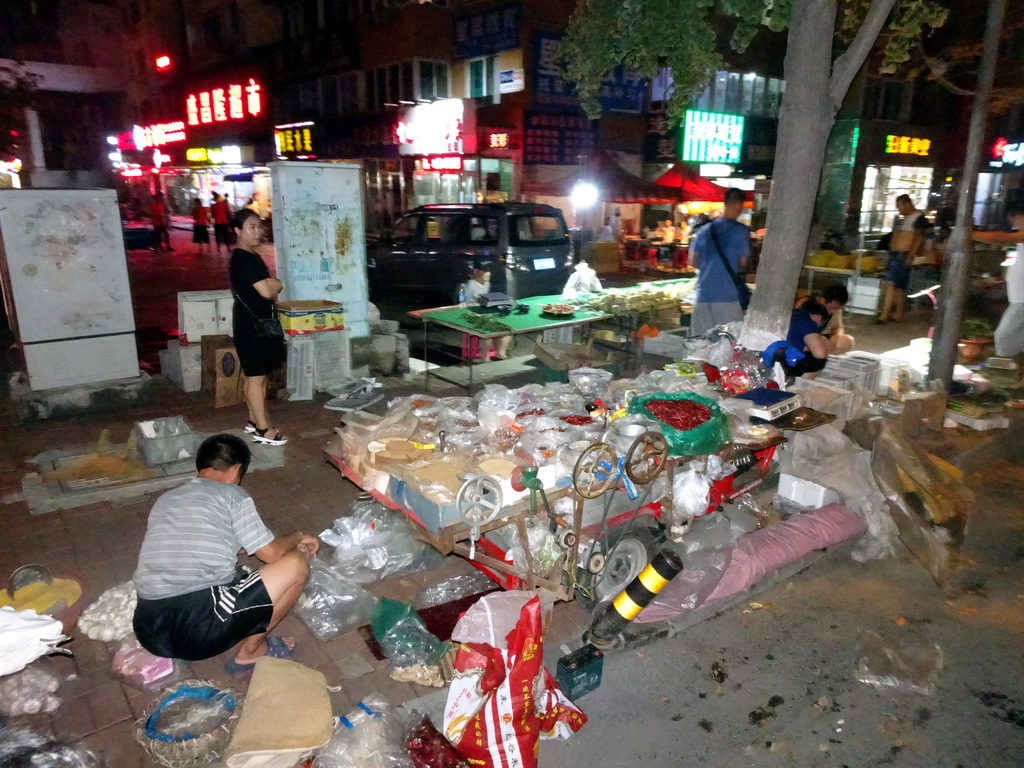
712	137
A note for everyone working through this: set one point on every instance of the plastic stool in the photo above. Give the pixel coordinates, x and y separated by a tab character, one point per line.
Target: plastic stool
471	347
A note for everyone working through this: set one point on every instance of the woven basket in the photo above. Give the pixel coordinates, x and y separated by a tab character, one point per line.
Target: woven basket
198	750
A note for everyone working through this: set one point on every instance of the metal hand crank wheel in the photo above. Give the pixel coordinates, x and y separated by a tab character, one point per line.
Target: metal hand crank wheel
478	501
646	457
595	471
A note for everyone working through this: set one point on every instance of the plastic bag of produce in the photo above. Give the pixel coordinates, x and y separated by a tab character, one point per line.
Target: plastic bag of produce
693	425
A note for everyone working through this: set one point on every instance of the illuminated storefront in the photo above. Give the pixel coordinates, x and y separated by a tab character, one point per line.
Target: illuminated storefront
869	163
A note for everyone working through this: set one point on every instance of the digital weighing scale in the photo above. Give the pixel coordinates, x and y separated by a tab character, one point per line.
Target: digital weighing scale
770	404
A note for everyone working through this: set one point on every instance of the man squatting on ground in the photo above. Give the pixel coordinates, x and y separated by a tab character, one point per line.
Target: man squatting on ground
195	601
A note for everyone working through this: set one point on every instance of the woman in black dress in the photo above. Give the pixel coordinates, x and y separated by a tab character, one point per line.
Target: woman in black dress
255	291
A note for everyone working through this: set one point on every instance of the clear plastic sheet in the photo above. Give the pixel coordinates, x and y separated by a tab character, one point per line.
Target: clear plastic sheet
373	735
331	604
912	668
591	382
373	542
23	748
826	456
543	546
456	587
402	635
709	532
691	587
136	666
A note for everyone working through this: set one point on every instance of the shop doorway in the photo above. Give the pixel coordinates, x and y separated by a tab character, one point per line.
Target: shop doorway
882	185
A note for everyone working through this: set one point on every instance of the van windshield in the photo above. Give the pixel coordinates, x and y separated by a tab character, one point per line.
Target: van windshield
533	229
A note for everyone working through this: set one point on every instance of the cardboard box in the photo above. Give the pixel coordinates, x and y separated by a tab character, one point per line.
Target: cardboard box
565	357
298	317
222	377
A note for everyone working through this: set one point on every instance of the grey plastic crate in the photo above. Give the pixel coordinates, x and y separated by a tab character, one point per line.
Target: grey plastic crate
167	440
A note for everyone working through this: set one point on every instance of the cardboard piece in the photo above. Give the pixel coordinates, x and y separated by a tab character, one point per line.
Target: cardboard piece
309	316
222	376
565	357
922	412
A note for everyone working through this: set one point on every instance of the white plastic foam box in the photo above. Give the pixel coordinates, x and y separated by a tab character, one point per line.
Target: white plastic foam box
199	314
805	493
301	365
981	425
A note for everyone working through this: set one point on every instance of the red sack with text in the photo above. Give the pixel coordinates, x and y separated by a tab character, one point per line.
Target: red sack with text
502	700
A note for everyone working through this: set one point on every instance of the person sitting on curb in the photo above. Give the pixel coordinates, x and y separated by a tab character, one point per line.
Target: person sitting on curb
804	352
834	298
194	600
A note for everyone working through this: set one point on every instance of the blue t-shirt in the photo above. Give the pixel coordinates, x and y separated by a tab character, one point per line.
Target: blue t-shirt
714	283
800	325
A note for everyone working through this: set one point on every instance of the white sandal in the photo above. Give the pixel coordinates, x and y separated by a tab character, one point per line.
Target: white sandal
260	436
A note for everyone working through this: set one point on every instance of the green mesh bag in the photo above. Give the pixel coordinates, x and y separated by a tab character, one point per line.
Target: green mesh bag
703	439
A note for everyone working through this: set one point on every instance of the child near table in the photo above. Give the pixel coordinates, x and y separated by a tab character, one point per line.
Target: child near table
478	285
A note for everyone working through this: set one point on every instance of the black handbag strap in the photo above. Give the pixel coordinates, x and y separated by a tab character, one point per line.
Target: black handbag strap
725	261
273	313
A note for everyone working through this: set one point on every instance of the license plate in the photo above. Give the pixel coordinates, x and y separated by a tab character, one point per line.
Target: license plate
543	263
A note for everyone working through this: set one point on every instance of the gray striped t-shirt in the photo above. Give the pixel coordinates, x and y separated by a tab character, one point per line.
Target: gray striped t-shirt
193	537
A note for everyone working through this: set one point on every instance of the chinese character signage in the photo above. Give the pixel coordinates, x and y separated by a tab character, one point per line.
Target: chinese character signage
621	91
499	140
712	137
487	32
661	142
294	140
235	101
441	127
214	155
907	145
554	139
156	135
443	163
1007	153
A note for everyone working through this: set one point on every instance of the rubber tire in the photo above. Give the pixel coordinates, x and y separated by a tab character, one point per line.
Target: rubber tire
624	563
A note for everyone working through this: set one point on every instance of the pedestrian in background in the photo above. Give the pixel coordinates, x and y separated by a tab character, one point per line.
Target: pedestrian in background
221	214
720	250
160	217
907	240
255	291
1009	335
201	225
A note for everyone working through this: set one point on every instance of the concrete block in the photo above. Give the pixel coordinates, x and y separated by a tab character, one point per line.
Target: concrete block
182	365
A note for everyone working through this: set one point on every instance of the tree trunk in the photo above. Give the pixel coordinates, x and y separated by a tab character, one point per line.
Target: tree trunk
805	120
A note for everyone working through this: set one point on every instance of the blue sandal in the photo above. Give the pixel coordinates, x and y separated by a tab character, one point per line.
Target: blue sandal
276	647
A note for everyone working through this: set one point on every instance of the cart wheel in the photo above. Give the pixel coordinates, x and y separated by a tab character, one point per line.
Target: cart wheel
646	457
595	471
478	501
624	563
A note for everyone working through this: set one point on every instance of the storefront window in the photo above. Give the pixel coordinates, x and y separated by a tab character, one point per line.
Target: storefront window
882	185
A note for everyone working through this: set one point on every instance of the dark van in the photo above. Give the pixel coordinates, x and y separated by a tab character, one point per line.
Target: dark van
432	249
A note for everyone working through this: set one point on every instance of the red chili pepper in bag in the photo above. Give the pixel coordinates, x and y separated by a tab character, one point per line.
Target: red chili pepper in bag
679	414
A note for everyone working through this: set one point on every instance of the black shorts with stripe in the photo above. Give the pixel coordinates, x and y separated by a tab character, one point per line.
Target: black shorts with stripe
202	624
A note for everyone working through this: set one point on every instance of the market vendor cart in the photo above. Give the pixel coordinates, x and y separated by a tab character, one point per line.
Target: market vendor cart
487	323
477	526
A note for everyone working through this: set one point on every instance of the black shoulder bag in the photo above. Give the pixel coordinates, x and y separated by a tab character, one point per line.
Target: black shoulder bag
742	292
266	327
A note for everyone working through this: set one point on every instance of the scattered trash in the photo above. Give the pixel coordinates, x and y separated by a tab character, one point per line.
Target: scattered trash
718	673
911	669
761	714
706	725
1003	707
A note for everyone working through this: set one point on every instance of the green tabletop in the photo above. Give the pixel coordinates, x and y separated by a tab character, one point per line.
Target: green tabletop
533	320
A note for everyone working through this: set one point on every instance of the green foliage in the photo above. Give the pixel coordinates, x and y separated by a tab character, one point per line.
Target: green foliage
650	35
975	329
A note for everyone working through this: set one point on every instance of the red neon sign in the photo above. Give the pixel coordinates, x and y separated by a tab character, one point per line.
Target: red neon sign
218	105
498	141
449	163
999	147
130	172
162	63
156	135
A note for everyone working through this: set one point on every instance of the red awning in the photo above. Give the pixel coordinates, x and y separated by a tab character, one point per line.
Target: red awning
692	186
614	183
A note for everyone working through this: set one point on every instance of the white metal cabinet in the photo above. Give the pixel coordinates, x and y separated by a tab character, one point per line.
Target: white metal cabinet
66	285
319	236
